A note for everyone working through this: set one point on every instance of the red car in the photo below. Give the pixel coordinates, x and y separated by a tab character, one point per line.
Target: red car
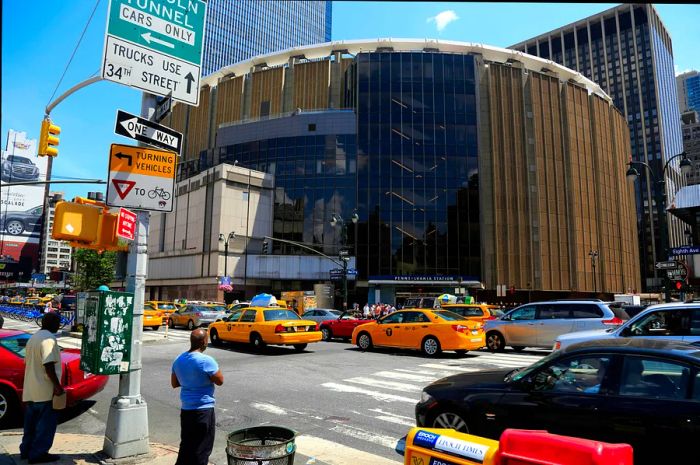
78	384
341	327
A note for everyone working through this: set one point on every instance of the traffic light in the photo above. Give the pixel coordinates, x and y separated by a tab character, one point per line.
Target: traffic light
48	139
264	248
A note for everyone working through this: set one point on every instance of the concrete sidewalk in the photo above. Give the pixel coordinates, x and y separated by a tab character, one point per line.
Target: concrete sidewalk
86	449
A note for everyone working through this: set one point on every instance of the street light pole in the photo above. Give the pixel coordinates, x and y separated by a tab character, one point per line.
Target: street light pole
632	175
594	256
337	220
231	236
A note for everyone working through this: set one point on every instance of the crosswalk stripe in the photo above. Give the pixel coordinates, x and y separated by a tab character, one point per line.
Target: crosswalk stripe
373	394
375	438
378	383
405	376
432	373
396	420
333	453
523	359
450	367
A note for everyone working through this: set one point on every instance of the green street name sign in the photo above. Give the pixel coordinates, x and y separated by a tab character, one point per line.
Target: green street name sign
156	46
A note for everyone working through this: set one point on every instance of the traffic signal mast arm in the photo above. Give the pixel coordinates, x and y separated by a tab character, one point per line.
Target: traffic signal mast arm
298	244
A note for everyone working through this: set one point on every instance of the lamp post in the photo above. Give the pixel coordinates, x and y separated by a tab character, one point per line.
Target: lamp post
226	240
594	257
338	221
632	175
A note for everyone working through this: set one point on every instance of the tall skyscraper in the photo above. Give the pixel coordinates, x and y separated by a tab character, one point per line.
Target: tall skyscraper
688	91
627	51
241	29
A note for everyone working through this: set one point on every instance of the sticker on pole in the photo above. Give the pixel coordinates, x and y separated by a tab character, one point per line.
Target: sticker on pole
141	178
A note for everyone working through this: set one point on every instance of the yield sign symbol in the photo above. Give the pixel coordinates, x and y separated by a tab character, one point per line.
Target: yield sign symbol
123	187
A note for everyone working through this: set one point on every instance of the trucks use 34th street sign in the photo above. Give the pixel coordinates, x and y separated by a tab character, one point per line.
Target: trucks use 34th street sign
156	46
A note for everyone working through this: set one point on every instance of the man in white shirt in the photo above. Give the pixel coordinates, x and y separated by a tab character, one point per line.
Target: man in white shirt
42	375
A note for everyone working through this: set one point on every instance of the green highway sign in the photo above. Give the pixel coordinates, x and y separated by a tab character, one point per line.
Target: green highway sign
156	46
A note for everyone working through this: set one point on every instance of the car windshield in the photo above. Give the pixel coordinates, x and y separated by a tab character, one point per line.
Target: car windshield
520	373
166	307
216	308
449	316
16	159
16	344
276	315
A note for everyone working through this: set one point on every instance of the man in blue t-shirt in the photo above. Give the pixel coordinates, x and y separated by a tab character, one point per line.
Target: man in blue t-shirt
196	374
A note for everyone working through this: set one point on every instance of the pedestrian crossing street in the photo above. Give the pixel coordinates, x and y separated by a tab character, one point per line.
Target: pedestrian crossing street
66	341
405	384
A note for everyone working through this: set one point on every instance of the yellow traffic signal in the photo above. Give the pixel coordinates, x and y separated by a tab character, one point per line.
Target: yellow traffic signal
76	222
107	235
48	140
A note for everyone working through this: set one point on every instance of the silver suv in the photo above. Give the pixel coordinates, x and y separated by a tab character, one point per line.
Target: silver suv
674	321
538	324
194	316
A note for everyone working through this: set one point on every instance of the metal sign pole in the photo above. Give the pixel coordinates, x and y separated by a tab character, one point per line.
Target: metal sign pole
127	422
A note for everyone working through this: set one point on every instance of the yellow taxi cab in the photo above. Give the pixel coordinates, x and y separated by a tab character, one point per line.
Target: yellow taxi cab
475	312
152	318
163	306
428	330
260	326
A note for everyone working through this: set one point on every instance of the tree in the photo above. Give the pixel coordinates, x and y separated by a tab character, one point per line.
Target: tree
94	268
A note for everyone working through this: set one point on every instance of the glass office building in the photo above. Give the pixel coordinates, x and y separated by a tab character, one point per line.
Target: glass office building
467	165
240	29
628	52
688	91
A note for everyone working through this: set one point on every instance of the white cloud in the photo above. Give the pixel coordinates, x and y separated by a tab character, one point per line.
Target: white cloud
678	70
443	18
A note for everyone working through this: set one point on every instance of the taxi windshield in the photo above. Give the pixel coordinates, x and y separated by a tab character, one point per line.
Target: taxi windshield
276	315
449	316
166	307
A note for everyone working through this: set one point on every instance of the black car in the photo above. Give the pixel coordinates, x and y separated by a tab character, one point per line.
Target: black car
17	168
642	392
18	222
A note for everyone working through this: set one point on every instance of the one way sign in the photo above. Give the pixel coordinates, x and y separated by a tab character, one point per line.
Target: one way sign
142	130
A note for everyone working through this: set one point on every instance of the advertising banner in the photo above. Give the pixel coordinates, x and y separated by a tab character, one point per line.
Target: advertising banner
21	207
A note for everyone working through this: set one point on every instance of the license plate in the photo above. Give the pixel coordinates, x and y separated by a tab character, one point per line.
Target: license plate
301	328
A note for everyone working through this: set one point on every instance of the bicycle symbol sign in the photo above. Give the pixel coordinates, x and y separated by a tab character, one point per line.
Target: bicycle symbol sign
141	178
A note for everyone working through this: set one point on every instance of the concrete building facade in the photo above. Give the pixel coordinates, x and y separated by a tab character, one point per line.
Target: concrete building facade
467	165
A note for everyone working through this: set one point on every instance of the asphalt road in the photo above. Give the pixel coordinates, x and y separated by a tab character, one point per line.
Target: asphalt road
360	401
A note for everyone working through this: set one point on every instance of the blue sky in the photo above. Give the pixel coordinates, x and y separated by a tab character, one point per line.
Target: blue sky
36	48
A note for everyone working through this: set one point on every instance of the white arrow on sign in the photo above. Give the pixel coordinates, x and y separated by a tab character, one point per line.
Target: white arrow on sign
133	127
148	38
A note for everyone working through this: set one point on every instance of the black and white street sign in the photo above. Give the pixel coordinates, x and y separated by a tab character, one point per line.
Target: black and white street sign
142	130
668	265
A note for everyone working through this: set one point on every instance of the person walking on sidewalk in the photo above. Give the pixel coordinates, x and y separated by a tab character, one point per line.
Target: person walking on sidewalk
42	376
196	374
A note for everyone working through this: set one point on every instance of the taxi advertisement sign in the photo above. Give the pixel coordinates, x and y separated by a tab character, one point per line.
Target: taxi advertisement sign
141	178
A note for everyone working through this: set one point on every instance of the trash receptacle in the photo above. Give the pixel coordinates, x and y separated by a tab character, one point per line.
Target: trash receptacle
261	445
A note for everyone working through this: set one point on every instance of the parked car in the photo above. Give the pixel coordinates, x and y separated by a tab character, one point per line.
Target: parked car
675	321
18	168
152	318
164	307
626	390
260	326
17	222
430	331
194	316
321	314
341	327
538	324
475	312
78	384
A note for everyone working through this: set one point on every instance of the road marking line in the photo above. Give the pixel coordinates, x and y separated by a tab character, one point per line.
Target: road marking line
384	384
374	394
378	410
333	453
450	367
269	408
364	435
398	421
432	373
405	376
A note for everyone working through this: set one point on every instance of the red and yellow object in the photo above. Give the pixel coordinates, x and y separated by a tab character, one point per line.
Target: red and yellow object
86	224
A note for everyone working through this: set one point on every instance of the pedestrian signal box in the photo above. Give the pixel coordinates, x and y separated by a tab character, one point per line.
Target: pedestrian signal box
76	222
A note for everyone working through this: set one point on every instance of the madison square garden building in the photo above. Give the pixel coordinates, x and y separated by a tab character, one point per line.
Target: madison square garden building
467	166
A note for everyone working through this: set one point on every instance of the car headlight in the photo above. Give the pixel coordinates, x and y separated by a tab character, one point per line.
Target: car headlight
425	397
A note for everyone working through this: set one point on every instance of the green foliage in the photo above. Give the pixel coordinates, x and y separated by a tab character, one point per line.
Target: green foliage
94	268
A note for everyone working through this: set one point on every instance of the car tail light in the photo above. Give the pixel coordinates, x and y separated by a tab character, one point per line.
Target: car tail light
557	345
280	329
198	314
316	328
613	321
492	317
460	328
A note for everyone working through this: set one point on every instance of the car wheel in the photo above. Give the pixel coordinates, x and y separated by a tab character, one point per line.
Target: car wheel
257	342
450	420
190	325
364	341
15	227
215	340
155	328
461	351
171	323
495	342
431	346
518	348
9	406
300	347
326	333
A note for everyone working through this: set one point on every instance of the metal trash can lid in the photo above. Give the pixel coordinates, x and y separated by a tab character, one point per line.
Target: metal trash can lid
261	442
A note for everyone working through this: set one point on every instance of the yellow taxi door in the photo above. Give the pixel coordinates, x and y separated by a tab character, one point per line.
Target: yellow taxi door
416	325
231	322
388	330
242	329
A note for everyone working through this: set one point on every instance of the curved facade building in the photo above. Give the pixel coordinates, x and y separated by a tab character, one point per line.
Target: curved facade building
467	165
